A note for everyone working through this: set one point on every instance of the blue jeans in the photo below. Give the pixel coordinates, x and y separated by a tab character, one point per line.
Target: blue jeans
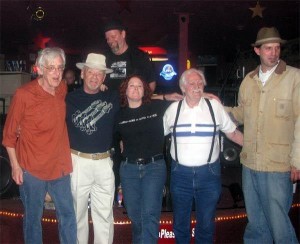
32	192
142	187
268	199
202	184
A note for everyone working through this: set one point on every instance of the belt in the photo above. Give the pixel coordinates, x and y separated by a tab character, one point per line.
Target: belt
93	156
144	160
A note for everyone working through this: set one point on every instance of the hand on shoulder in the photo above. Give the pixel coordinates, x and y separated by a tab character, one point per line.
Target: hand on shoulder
173	96
103	87
211	96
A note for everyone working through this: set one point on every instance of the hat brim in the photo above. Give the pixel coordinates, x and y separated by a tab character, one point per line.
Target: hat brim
117	27
94	66
268	40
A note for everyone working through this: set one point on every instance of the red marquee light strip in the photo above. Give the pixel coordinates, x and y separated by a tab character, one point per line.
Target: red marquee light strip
127	222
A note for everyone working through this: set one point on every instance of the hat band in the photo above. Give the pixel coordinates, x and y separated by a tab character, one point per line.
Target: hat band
276	39
99	65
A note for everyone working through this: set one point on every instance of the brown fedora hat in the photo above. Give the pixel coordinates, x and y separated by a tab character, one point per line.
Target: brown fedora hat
267	35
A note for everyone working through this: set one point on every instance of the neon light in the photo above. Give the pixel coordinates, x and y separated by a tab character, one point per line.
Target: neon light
153	50
168	72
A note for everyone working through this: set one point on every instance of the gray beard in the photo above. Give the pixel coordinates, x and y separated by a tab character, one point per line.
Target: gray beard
116	49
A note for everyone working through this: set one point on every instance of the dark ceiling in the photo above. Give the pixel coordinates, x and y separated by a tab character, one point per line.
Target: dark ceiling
215	27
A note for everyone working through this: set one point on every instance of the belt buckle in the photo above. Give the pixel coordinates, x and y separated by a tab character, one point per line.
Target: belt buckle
140	161
95	156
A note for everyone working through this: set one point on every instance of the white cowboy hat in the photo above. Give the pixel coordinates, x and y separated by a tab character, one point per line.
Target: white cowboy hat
95	61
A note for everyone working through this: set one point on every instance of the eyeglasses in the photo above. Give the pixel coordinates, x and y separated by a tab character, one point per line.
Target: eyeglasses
52	68
194	82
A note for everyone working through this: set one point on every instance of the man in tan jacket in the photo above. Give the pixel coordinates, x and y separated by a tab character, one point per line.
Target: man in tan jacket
269	108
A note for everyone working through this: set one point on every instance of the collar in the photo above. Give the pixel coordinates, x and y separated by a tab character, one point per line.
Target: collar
199	105
281	67
61	90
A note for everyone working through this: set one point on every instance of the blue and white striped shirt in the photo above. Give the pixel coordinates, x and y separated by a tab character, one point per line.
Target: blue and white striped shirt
194	131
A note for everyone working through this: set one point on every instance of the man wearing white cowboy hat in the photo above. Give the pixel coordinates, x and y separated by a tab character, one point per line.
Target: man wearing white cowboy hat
269	108
90	120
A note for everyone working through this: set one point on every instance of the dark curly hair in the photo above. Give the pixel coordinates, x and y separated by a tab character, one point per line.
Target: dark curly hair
147	91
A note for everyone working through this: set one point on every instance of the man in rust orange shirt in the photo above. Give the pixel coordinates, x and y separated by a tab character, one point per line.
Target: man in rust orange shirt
40	155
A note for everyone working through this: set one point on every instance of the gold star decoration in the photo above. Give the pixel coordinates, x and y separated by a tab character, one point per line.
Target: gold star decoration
257	10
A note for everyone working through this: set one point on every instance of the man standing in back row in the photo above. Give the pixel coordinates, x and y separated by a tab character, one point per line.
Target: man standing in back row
269	108
123	59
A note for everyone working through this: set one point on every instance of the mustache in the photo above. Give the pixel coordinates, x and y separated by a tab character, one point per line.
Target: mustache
198	90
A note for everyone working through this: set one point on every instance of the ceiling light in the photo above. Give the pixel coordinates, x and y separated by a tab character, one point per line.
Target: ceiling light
38	14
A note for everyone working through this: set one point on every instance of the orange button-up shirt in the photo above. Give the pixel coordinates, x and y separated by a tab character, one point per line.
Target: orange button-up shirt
42	146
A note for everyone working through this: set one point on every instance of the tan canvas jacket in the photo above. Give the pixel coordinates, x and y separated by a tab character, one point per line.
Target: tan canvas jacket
270	115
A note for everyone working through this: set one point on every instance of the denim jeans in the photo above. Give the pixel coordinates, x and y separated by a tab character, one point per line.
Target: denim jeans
202	184
268	199
142	187
32	193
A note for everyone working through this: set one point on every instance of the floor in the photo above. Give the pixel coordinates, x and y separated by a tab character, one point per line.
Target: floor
230	218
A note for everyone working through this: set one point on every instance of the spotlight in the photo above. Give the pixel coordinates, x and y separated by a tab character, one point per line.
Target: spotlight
230	154
39	14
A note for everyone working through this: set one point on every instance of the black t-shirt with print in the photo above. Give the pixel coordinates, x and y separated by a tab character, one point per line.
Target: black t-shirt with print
90	120
141	129
132	62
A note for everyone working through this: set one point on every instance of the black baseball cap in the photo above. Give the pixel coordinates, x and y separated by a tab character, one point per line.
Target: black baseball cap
114	24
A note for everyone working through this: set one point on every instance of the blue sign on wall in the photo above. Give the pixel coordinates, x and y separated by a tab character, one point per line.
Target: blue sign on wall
168	72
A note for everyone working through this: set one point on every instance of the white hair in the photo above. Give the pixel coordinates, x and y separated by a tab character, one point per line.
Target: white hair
48	54
182	80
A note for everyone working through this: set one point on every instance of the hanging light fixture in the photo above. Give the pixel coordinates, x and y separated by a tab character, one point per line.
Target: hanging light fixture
38	14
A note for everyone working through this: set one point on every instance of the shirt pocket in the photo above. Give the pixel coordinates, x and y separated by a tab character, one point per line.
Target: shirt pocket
278	153
283	108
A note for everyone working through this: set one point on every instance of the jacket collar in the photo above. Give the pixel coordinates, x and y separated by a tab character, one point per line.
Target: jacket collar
279	69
